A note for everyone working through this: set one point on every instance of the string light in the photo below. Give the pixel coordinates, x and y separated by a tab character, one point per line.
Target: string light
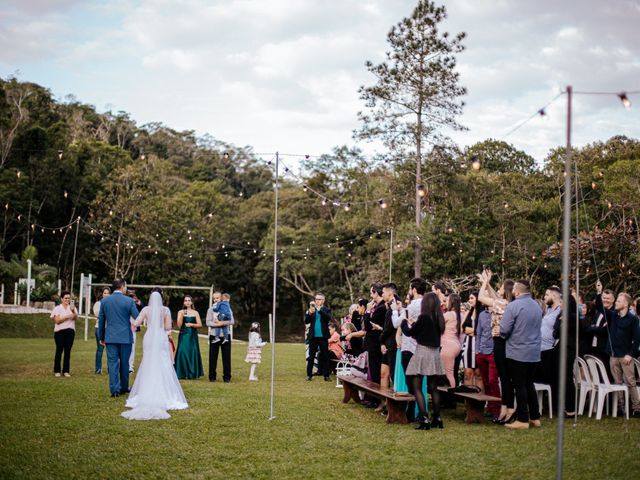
347	207
421	191
382	203
305	188
475	162
60	154
324	201
625	100
225	155
18	173
66	194
542	113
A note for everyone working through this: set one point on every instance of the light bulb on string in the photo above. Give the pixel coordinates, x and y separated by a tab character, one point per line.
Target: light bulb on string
593	185
18	173
347	207
225	155
111	213
609	205
304	187
42	230
475	162
66	194
324	201
382	203
6	207
625	100
60	154
542	113
421	190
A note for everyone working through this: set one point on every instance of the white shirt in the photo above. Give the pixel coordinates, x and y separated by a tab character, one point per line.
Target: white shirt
408	344
96	311
61	310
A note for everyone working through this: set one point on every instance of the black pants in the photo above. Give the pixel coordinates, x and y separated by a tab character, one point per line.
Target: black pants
64	342
522	377
318	344
389	359
375	359
500	357
547	372
214	348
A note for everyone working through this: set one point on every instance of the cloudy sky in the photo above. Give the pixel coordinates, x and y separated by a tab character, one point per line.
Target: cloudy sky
283	74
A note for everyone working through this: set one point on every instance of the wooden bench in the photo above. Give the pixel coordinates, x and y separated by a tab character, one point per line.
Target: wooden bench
473	404
396	402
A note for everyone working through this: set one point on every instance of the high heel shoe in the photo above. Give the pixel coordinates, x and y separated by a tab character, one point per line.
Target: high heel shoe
423	424
510	419
437	422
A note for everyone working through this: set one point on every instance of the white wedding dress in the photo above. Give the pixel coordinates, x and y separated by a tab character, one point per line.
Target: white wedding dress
156	388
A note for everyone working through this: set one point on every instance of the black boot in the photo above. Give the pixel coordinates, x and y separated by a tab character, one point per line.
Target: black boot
436	422
423	423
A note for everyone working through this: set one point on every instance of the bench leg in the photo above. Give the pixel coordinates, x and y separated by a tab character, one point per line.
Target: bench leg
396	412
350	393
475	411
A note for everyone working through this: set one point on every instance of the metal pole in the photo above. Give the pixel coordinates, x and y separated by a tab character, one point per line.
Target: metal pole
390	253
2	295
275	280
81	301
87	308
566	238
28	283
15	293
75	247
270	329
59	287
573	360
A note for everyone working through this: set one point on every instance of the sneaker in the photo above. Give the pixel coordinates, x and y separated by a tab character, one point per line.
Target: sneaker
215	340
57	374
131	370
309	378
535	423
253	379
67	374
225	340
98	372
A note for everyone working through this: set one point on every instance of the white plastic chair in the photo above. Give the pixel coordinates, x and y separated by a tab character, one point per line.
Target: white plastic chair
541	388
342	369
636	362
584	385
599	375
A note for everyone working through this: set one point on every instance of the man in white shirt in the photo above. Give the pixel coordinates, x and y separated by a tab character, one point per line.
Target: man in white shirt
417	288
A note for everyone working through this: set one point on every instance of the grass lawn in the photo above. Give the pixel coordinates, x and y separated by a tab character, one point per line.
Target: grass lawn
71	428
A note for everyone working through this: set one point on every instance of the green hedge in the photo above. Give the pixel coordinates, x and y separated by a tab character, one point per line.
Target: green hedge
33	325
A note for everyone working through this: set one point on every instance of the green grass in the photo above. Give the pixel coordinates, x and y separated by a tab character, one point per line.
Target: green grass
71	428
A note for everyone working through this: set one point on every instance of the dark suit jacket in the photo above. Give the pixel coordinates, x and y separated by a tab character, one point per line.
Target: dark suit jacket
388	335
377	316
325	318
114	321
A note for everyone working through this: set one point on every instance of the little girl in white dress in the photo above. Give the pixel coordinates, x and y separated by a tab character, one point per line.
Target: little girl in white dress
254	350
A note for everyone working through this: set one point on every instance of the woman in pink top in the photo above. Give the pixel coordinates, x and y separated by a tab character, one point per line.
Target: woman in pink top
64	316
335	345
450	340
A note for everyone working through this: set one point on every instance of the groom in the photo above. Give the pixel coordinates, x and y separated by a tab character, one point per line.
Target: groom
114	330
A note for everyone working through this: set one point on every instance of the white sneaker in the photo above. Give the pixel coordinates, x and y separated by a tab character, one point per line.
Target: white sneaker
253	379
57	374
67	374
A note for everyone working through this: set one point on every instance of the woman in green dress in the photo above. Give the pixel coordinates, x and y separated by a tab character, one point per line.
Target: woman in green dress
188	360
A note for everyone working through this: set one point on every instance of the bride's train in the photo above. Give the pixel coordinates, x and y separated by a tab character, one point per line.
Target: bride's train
156	388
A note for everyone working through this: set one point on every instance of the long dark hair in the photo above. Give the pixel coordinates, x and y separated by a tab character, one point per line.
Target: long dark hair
474	312
430	307
507	285
453	305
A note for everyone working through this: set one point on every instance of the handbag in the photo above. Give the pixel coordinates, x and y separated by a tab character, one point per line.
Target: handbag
359	366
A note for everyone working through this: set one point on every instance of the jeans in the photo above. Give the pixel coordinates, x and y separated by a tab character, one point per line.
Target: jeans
522	378
64	342
489	373
99	351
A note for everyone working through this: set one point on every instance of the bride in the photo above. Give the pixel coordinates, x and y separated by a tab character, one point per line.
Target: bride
156	388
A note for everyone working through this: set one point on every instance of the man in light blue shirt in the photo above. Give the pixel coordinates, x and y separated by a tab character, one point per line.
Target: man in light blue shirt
520	326
547	371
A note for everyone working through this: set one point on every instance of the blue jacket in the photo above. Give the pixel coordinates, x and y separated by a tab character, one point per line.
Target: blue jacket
624	334
223	309
520	325
114	321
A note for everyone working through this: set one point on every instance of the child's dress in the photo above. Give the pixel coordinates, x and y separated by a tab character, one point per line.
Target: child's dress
254	350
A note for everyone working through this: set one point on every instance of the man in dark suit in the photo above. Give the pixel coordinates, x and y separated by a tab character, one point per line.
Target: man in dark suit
318	317
114	331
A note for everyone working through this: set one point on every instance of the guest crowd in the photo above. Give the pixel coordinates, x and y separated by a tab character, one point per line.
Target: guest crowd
506	340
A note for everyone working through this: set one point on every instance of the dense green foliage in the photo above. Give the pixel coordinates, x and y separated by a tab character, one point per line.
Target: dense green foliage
161	206
70	428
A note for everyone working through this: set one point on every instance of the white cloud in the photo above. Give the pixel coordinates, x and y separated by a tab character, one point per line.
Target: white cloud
284	74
